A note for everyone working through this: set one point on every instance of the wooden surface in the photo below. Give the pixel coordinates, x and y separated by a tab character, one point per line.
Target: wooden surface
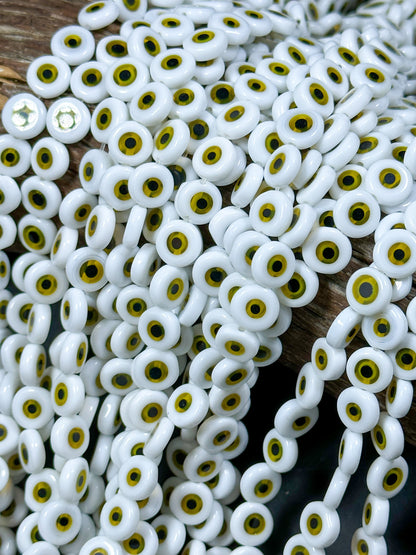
26	28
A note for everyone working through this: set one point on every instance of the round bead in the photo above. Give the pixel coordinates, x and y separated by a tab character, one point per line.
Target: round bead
251	524
319	524
358	409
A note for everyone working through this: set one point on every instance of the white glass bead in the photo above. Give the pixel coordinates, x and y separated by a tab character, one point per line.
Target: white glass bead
15	156
87	82
358	409
48	76
370	369
368	291
24	116
386	329
251	524
98	15
293	421
41	198
386	478
326	250
130	144
49	159
319	524
309	387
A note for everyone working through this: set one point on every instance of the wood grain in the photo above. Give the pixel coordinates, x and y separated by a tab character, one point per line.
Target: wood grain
26	28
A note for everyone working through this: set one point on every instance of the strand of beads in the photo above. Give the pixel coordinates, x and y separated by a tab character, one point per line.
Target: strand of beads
129	304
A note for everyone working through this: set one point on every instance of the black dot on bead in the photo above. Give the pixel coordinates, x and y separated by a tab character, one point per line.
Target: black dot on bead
125	75
366	371
191	504
235	348
365	290
301	123
328	253
313	523
300	422
348	180
406	359
156	330
38	199
152	412
382	328
115	517
334	76
274	144
399	254
134	544
389	178
293	285
76	437
254	523
277	266
103	118
318	93
236	376
161	534
176	243
172	62
130	143
205	467
203	36
392	479
267	213
164	138
231	402
198	129
255	86
262	488
121	380
60	394
47	73
365	145
255	309
234	114
45	157
358	214
216	276
222	93
118	49
155	373
42	493
353	411
91	78
174	289
91	271
379	437
150	45
374	76
211	156
184	97
275	449
46	284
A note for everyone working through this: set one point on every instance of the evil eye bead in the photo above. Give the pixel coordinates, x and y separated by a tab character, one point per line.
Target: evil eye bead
15	156
319	524
197	201
45	283
370	369
41	198
100	543
174	68
247	185
8	231
73	44
293	421
191	502
87	82
173	27
228	403
358	409
9	434
67	394
349	452
100	227
301	288
187	406
299	544
98	15
92	169
206	44
49	159
169	287
386	329
309	387
372	148
73	213
151	104
145	44
171	534
189	101
73	479
151	185
10	195
362	542
31	451
31	407
40	488
348	179
403	357
327	250
332	76
17	312
110	49
344	328
73	353
388	437
219	94
311	94
376	512
368	291
24	116
69	436
238	119
130	144
357	214
393	253
137	477
131	302
335	130
170	142
254	307
386	478
36	234
107	116
208	72
179	243
39	323
301	128
271	212
124	77
255	88
210	269
48	76
260	484
85	269
159	328
215	159
125	341
234	26
145	263
251	524
217	433
155	369
389	181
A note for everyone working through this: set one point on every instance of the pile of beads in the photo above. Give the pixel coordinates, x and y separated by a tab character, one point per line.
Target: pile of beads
307	116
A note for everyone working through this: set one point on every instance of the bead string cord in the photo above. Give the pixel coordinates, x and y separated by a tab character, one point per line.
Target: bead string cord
305	111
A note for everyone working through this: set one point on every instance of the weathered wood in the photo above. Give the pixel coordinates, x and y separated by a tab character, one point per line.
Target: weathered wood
26	28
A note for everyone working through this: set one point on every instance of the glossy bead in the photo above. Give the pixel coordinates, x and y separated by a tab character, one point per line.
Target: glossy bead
327	250
49	159
368	291
171	533
41	198
260	484
69	436
87	82
386	329
386	478
119	517
376	512
251	524
24	116
299	543
130	144
174	69
369	369
358	409
336	489
98	15
319	524
15	156
48	76
8	231
362	541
